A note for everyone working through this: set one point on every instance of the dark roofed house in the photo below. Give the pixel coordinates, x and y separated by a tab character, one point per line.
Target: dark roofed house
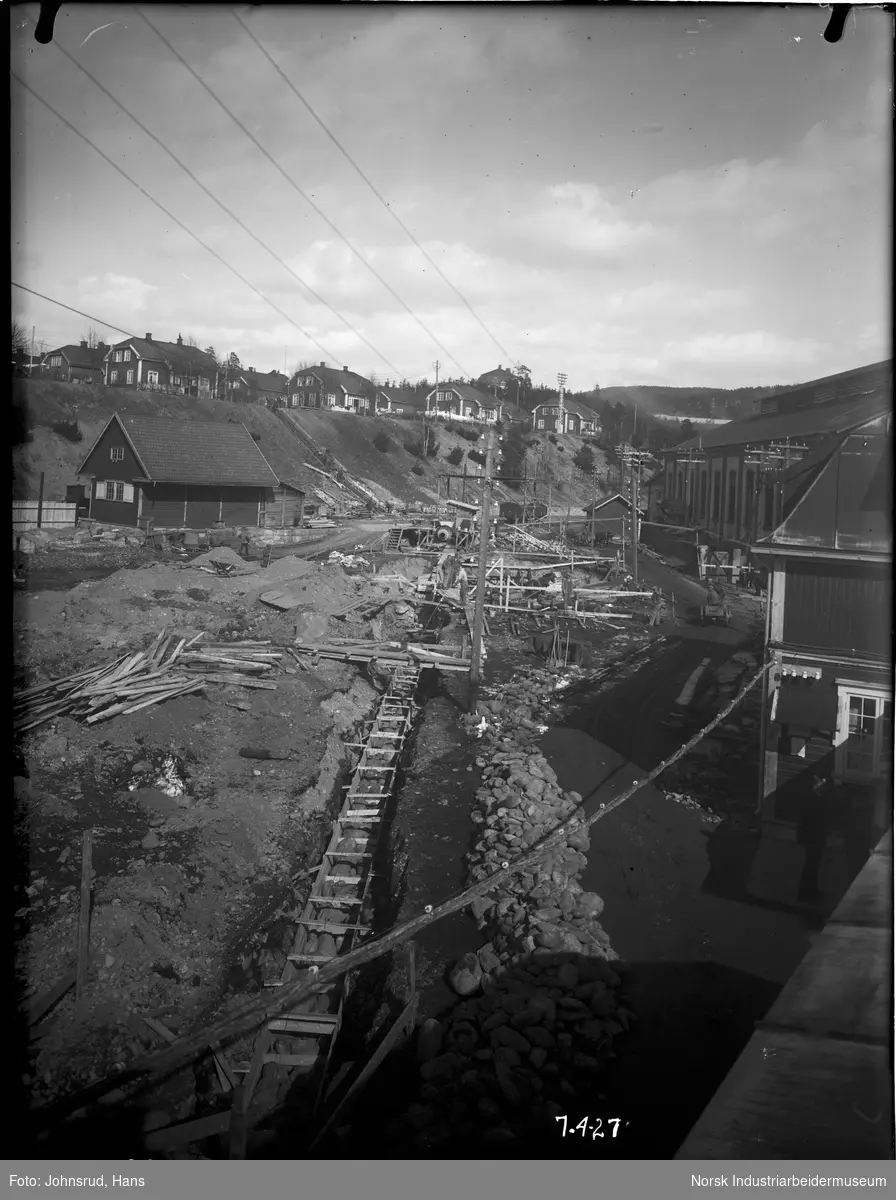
182	474
828	698
501	383
72	362
161	366
577	418
256	387
462	402
399	400
726	481
332	389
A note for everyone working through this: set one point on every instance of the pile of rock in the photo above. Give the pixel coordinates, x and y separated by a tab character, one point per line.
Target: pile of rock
503	1066
519	804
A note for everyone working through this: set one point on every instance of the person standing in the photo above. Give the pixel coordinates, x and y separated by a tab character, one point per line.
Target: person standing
462	583
442	569
813	829
659	608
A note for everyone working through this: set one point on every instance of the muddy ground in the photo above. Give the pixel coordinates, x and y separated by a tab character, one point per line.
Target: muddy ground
194	845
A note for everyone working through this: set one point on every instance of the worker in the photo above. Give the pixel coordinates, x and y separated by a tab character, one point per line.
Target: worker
659	608
244	543
814	824
443	570
714	595
462	582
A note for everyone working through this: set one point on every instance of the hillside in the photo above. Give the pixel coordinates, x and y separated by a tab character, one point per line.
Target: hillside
287	444
688	401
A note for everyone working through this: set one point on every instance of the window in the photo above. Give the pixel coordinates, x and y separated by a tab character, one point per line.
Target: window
331	397
864	739
114	489
716	494
56	360
541	424
768	513
732	497
152	378
312	397
704	484
113	377
178	380
118	356
294	400
130	376
117	454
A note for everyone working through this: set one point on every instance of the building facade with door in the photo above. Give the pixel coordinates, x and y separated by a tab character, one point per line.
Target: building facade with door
181	474
828	697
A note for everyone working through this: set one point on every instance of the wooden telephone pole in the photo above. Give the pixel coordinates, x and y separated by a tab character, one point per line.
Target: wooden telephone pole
485	516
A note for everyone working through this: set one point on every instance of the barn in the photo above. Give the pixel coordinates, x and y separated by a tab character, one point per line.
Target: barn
182	474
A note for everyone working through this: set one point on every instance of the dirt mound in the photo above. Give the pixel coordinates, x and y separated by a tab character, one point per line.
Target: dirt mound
225	556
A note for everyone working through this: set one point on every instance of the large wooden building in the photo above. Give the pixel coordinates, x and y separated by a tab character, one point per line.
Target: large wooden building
828	699
727	481
184	474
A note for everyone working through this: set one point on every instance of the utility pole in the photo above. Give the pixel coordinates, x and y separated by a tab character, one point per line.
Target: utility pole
634	503
479	610
435	406
593	502
31	360
561	411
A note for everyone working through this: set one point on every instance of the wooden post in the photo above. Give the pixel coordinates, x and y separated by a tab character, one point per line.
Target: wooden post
84	920
479	610
40	501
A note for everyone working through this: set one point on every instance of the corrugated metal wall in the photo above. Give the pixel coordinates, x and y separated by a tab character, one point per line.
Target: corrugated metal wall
838	606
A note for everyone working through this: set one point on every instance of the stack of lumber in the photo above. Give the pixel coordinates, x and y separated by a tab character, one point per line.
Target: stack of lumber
385	653
245	663
131	682
136	681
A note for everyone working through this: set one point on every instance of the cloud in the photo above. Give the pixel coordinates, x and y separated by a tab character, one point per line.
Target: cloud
113	293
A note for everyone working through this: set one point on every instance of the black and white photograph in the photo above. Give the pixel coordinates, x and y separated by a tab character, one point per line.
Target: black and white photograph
452	597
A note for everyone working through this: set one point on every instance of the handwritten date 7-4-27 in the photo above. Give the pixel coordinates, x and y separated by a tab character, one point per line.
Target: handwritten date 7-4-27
592	1125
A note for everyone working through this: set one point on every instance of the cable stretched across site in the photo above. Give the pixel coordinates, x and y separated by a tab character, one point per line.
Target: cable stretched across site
87	316
158	141
84	138
161	1063
297	189
394	215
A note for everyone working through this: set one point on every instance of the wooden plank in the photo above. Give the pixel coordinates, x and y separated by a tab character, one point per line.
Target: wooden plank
793	1097
84	916
238	1127
187	1132
330	927
38	1006
292	1060
841	988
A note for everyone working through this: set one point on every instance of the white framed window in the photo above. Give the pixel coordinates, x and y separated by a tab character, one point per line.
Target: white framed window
56	360
152	377
294	400
118	356
864	738
113	377
117	454
130	377
331	398
114	489
177	380
541	424
312	397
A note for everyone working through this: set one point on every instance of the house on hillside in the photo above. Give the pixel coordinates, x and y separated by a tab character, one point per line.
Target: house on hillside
461	402
577	418
184	474
161	366
727	480
332	389
511	414
23	363
68	363
400	401
828	698
248	386
613	515
501	384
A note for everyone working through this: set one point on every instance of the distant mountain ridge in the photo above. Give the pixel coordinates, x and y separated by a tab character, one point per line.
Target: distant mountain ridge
685	402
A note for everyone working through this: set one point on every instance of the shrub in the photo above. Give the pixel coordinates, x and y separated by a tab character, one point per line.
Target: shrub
70	430
256	437
584	459
382	443
469	435
476	455
433	448
456	456
552	438
416	469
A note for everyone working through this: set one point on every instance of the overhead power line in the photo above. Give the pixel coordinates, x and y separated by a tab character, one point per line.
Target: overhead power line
307	199
394	215
170	215
59	304
221	204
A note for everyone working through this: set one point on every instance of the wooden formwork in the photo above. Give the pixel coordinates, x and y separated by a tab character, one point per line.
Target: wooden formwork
333	920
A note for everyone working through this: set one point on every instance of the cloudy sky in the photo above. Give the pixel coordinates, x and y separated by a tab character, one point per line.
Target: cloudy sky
686	194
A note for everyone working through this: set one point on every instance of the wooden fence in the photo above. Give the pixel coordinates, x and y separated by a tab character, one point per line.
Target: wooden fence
51	514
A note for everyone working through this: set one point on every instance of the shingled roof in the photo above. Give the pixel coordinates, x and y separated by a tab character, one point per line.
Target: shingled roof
221	453
85	357
181	357
331	379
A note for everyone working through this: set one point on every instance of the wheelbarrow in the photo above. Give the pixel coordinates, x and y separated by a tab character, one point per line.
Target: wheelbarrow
715	613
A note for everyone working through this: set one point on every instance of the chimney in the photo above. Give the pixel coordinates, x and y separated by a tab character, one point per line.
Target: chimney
84	345
180	340
345	368
148	338
323	364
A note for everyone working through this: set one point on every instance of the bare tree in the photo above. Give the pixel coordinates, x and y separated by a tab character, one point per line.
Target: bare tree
302	365
191	341
20	338
91	337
